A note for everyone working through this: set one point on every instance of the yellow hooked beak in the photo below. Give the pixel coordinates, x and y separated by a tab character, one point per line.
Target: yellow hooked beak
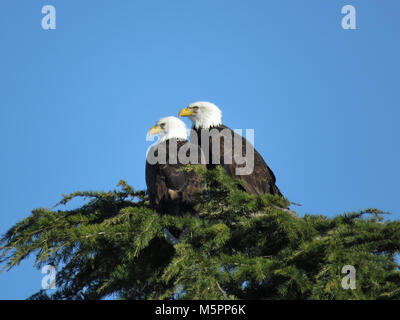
154	130
185	112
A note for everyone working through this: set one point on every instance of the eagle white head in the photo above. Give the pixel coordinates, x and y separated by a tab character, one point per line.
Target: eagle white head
168	128
203	114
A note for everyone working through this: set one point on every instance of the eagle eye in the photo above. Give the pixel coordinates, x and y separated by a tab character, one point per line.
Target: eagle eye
162	125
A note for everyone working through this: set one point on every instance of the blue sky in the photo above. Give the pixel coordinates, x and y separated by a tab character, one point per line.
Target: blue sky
76	102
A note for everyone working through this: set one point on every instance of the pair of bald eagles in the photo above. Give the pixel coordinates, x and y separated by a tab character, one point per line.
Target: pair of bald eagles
170	189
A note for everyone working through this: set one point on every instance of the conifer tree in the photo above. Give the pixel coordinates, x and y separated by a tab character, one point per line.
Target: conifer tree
240	246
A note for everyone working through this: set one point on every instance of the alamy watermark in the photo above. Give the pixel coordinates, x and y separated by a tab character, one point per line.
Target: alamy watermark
349	20
349	281
49	20
49	280
235	150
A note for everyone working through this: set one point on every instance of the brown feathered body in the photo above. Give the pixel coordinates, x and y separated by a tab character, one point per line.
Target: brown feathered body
170	189
260	181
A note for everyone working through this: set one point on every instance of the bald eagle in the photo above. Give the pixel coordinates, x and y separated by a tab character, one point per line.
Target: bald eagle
170	189
206	117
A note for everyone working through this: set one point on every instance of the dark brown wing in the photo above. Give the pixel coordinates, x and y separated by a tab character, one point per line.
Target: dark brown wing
260	181
170	189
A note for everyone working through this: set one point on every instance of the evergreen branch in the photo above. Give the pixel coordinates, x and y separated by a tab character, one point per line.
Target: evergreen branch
241	246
